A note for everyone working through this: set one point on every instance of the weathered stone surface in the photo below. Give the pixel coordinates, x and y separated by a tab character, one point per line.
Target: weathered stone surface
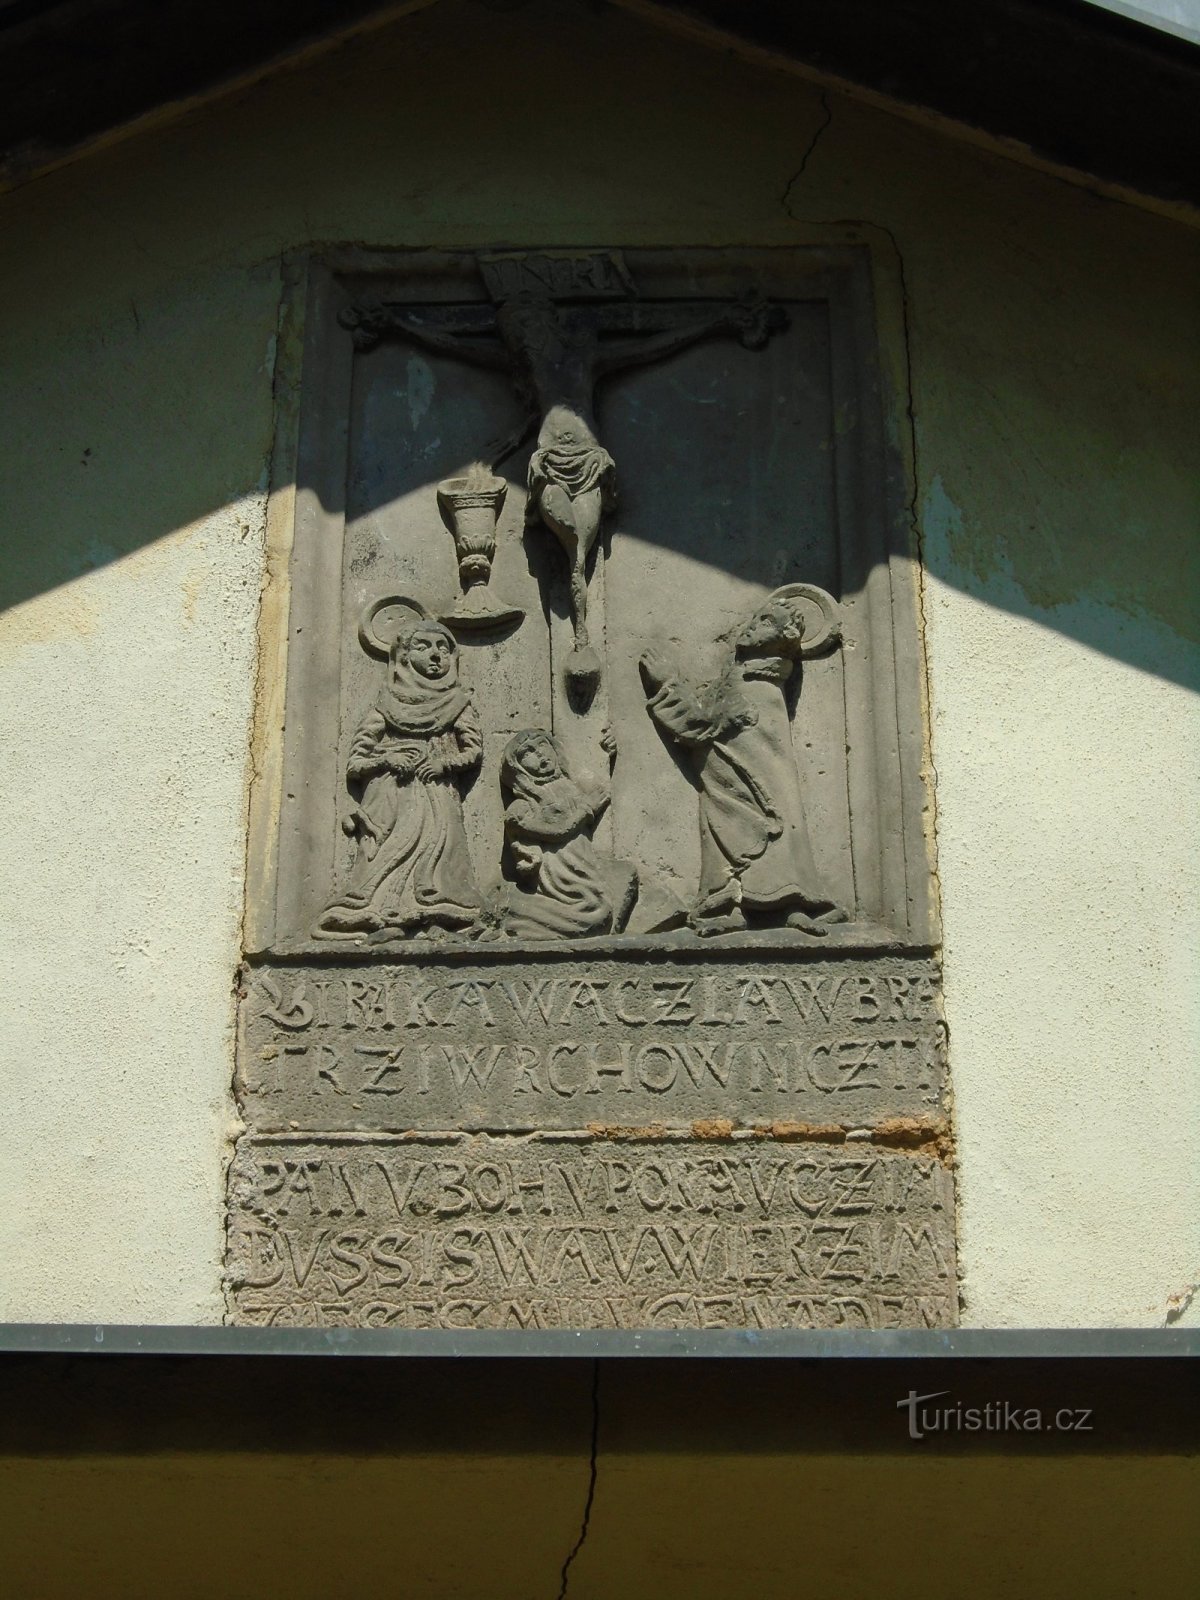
727	652
539	1233
524	1044
592	970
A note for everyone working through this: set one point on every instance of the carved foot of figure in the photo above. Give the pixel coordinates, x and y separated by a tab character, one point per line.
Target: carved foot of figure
491	923
347	922
389	931
724	922
583	669
436	930
817	923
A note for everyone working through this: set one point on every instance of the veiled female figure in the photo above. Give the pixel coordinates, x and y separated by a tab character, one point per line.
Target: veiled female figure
548	820
412	867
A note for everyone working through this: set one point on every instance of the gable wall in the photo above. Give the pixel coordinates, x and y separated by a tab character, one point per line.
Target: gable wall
1052	354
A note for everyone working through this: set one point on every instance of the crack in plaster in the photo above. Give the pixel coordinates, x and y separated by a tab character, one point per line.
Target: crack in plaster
785	199
1179	1304
585	1520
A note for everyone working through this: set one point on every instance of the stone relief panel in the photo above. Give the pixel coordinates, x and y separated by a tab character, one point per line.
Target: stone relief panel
599	834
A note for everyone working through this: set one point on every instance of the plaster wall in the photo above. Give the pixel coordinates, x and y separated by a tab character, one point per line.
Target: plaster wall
139	1526
1052	347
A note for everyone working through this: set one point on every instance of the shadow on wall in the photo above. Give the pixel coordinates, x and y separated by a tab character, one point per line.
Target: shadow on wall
1069	599
153	459
1044	580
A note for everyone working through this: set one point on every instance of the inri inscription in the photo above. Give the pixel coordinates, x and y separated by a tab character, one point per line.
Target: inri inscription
592	975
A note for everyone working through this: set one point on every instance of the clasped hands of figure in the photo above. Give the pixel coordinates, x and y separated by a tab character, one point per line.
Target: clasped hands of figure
407	761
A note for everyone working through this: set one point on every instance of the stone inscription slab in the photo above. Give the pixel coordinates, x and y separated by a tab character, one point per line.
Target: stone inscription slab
591	969
491	1232
520	1045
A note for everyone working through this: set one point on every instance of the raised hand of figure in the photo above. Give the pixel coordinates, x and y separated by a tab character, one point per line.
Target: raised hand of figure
608	743
526	858
656	666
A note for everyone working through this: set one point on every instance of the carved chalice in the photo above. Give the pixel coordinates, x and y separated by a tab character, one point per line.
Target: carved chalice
470	506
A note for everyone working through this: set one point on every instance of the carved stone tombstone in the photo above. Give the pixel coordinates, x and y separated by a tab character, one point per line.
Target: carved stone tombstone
592	974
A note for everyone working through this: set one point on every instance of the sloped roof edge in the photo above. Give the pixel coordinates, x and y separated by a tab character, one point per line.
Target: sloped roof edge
1071	85
1079	87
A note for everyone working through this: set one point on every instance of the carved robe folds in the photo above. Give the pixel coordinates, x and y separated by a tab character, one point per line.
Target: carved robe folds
754	845
548	822
411	866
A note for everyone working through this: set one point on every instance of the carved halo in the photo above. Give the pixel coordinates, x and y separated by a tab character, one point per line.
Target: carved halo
382	621
822	623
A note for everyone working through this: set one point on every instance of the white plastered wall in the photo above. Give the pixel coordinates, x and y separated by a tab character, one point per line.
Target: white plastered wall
1066	789
123	727
1053	372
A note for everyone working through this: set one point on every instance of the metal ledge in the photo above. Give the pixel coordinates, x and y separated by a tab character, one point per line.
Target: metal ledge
900	1344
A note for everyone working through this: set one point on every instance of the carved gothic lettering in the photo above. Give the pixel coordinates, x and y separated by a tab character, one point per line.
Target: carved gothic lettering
603	1231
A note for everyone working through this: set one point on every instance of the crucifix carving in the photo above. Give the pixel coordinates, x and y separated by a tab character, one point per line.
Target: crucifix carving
559	324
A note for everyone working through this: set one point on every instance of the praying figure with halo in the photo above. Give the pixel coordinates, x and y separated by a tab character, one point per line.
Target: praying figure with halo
756	857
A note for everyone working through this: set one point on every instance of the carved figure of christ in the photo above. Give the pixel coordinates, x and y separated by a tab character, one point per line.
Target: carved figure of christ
556	354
